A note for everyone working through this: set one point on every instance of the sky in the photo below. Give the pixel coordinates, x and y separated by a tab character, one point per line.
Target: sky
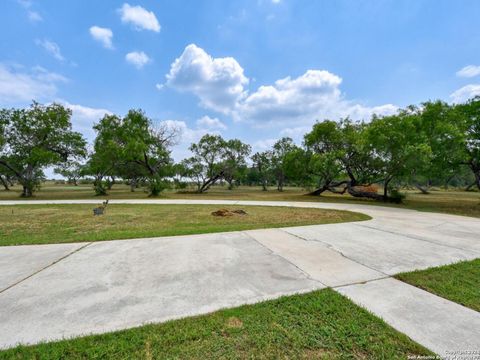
255	70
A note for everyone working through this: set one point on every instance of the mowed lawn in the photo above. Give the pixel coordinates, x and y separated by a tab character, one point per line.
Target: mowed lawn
458	282
47	224
317	325
452	201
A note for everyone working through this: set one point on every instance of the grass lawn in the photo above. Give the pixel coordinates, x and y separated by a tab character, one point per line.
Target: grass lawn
452	202
42	224
317	325
458	282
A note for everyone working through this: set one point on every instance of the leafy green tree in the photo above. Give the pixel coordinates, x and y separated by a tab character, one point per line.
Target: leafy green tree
234	160
71	170
263	164
470	112
319	171
441	128
35	138
106	155
149	147
396	148
344	143
207	162
280	149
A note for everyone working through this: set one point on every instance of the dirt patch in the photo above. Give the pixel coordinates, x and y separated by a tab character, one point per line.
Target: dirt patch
234	322
226	212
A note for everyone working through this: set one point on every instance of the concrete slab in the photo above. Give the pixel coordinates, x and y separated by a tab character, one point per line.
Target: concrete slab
448	232
317	260
119	284
386	252
19	262
440	325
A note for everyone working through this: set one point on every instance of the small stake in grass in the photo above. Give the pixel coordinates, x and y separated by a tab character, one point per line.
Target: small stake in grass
101	209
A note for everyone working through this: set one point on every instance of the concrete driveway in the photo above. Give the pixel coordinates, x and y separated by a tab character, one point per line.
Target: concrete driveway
49	292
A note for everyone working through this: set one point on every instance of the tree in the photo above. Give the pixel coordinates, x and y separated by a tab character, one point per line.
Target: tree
470	112
310	169
396	148
234	163
207	162
262	163
106	154
149	147
35	138
440	126
280	149
71	170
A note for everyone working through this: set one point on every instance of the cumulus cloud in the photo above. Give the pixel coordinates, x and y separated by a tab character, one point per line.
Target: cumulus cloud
51	47
210	123
217	82
315	95
102	35
18	84
137	58
84	117
140	18
469	71
465	93
220	84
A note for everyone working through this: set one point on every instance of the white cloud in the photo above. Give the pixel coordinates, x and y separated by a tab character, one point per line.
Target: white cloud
32	15
186	138
469	71
84	117
313	96
137	58
139	17
51	47
263	145
218	82
465	93
276	1
18	84
102	35
159	86
210	123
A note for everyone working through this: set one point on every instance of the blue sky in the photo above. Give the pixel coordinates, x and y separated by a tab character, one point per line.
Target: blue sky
256	70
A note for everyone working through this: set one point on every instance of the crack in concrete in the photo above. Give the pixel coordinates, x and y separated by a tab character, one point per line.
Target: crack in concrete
331	247
307	275
45	267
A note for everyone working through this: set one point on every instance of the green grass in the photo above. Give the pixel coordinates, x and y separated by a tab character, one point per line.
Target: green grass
452	201
458	282
317	325
42	224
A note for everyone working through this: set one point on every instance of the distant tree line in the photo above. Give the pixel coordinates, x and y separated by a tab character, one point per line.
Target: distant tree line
433	144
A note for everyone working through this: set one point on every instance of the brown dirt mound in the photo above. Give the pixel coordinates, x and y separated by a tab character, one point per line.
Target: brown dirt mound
226	212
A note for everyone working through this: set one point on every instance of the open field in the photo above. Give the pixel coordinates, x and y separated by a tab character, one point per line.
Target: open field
318	325
42	224
459	282
452	201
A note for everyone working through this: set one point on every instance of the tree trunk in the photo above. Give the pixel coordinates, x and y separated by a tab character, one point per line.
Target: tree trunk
364	194
264	185
4	183
385	189
206	185
27	191
422	189
133	184
318	191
